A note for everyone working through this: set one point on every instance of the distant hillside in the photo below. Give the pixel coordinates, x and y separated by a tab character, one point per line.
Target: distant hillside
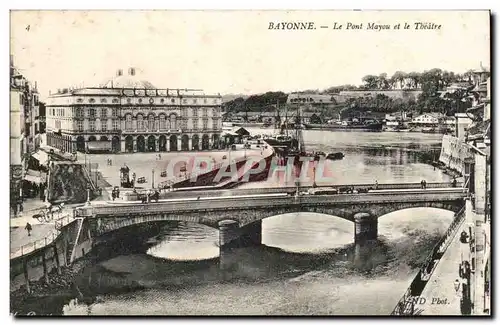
230	97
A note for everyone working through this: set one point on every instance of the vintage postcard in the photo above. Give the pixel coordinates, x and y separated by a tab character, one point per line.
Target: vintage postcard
250	163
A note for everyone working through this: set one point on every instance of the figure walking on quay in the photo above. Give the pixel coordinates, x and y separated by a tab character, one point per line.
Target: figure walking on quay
28	228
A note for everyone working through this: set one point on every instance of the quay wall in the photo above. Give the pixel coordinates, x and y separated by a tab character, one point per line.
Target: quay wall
454	153
38	263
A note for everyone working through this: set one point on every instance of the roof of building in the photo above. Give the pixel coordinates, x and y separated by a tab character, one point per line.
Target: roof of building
127	81
479	129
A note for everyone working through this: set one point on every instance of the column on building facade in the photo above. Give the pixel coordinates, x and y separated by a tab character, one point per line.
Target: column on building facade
123	144
190	142
210	141
157	144
135	144
168	143
179	143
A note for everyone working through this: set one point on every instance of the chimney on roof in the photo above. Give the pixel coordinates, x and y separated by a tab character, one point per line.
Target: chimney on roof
131	71
119	72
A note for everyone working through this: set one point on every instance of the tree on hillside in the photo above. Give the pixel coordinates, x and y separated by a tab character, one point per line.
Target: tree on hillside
338	89
383	82
398	78
370	81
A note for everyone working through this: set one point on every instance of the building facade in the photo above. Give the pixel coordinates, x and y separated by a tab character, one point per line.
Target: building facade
127	114
24	99
426	119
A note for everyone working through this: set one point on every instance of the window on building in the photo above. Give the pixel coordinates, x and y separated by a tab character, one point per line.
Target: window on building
92	125
115	125
173	121
79	124
104	124
151	122
205	124
214	124
92	112
195	111
194	101
195	123
205	111
104	112
184	112
114	112
162	122
128	123
140	122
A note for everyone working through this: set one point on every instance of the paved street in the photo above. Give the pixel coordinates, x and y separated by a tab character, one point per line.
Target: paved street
19	236
143	163
439	293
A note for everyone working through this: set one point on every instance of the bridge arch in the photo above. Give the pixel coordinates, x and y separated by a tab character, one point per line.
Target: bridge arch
245	215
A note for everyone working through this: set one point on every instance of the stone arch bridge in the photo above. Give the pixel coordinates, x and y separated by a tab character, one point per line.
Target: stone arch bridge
237	216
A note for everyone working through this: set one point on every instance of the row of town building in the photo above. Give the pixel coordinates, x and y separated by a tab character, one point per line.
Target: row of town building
27	123
128	114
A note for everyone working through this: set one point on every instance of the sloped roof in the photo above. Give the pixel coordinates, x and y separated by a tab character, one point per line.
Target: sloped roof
479	129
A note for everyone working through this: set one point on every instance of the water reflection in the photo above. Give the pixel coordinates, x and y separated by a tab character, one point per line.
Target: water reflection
334	261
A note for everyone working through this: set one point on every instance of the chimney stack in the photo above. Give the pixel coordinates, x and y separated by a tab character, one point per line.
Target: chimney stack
131	71
119	72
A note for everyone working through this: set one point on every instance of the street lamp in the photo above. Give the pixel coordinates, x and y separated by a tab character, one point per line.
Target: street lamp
88	195
153	178
314	177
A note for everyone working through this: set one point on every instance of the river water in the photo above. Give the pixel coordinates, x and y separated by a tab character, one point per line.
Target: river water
307	265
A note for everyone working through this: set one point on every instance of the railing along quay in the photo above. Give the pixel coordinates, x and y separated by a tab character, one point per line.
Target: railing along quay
406	305
45	241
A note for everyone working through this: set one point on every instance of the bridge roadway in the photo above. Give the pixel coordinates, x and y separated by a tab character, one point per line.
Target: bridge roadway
204	191
265	198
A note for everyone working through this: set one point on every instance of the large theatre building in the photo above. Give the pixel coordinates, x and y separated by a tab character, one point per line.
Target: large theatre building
127	114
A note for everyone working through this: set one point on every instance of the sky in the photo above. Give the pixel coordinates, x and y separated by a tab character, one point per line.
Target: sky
234	52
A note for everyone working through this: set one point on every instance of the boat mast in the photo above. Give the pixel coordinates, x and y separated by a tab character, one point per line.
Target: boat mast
298	131
286	120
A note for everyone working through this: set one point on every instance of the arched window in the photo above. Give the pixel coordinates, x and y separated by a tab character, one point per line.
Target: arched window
128	122
173	122
151	122
163	125
140	122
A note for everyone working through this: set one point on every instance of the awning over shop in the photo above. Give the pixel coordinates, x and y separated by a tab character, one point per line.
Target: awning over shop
35	176
99	145
41	156
229	133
